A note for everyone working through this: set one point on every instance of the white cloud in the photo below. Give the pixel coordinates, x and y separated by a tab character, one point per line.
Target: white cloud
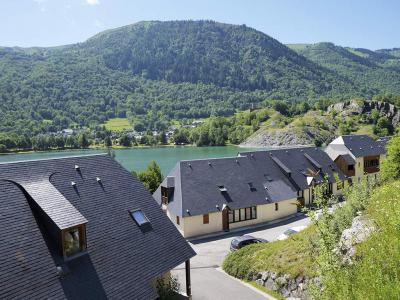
90	2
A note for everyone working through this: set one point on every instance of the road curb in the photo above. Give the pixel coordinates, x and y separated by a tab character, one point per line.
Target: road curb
269	297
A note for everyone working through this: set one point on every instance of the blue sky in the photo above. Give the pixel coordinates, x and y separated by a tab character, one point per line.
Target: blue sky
368	24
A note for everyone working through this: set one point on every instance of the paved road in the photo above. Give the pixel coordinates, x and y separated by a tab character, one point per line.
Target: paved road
207	281
210	283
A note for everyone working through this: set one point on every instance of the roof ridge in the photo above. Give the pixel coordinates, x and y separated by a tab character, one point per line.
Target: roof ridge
52	158
210	158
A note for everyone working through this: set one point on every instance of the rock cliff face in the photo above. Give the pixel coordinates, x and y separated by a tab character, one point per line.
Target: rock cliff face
287	137
356	107
318	127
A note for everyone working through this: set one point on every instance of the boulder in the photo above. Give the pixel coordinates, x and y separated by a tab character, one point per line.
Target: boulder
260	281
265	276
271	285
360	229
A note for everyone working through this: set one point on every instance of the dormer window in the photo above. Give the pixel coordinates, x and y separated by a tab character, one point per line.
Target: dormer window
74	240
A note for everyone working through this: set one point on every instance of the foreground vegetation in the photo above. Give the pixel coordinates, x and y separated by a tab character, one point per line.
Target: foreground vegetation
375	270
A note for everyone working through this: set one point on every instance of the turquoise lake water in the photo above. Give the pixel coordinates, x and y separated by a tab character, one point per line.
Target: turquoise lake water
138	159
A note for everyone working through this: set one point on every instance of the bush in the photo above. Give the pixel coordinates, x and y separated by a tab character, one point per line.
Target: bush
168	288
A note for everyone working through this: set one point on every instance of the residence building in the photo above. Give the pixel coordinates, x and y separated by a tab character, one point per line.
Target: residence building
82	228
357	155
211	195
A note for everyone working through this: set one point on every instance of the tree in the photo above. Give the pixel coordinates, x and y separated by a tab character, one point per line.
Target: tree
163	138
390	167
281	107
125	140
83	141
108	141
383	127
151	177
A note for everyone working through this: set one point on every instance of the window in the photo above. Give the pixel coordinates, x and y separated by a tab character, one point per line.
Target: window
371	163
350	167
231	216
243	214
248	213
177	220
206	219
254	212
237	215
74	240
276	206
139	217
164	195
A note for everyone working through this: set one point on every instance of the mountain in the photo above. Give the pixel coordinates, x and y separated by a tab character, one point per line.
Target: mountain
378	70
159	71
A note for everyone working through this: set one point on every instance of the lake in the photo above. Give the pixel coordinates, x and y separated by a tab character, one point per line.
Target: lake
138	158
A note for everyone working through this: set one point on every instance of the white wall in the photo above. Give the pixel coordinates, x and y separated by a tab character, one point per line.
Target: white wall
193	226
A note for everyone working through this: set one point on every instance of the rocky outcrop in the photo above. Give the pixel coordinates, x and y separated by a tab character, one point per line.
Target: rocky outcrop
356	107
292	288
287	137
361	228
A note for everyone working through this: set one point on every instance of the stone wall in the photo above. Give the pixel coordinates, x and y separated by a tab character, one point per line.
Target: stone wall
294	288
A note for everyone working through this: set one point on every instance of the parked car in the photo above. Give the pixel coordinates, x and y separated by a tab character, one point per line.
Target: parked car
290	232
242	241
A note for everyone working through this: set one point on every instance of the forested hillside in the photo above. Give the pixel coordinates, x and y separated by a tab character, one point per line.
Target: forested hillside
160	71
378	70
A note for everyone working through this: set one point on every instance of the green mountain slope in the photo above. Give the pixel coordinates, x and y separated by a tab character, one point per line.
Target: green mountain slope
379	70
162	71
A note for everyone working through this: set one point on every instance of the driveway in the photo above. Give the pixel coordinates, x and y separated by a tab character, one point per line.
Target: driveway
210	283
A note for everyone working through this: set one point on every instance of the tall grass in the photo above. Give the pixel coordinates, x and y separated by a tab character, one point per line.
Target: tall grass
375	273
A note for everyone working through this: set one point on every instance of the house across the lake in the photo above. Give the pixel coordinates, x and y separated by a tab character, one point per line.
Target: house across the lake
211	195
82	228
358	155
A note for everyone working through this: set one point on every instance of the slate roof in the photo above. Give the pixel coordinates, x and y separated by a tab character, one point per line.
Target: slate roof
122	259
363	145
384	140
302	162
248	181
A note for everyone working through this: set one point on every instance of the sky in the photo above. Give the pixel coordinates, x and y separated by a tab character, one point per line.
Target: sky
368	24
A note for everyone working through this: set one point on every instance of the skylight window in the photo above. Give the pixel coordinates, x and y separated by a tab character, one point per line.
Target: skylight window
139	217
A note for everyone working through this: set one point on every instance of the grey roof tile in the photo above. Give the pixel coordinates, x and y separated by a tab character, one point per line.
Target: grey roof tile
121	258
363	145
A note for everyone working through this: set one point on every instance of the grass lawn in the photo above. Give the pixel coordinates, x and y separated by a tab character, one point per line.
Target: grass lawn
292	256
274	294
366	129
117	124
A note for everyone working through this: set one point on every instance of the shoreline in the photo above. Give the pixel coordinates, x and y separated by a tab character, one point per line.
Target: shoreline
105	149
